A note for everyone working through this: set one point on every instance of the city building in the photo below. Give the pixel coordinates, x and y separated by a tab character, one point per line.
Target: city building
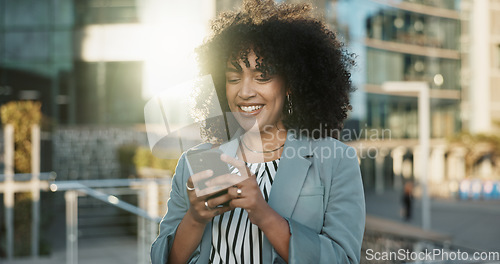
481	65
402	41
36	54
453	46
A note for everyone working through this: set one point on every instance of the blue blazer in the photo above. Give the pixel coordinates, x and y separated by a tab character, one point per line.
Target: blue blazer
317	189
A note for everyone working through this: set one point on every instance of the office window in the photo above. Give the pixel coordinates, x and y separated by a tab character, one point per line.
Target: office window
106	12
412	28
391	66
446	4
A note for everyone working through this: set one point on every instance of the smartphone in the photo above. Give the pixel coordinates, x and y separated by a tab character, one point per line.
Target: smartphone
200	160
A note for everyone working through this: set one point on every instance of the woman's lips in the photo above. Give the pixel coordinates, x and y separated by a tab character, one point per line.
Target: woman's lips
250	109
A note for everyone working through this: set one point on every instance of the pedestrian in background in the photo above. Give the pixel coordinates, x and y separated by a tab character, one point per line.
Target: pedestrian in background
407	200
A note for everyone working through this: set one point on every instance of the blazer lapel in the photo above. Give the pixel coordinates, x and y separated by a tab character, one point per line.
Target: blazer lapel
289	178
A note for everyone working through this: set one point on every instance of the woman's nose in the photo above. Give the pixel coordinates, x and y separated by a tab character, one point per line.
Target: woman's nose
247	89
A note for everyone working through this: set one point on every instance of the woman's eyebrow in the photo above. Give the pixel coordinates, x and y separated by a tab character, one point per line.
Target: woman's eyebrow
231	69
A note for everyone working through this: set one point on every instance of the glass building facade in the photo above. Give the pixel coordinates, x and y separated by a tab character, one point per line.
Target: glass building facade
36	52
401	41
42	58
405	41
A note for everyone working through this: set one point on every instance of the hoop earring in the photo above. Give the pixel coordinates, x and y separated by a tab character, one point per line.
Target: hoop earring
289	104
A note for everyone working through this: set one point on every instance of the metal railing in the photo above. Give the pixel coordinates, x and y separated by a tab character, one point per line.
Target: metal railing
148	219
147	211
33	183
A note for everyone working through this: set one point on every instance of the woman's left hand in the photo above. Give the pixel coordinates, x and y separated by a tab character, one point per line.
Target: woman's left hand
247	194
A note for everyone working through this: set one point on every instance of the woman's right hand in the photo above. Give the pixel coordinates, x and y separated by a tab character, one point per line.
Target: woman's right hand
204	208
190	230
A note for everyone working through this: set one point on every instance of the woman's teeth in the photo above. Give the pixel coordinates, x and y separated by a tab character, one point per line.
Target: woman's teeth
249	109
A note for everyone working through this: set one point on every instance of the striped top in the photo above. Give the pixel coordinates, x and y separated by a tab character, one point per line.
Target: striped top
234	238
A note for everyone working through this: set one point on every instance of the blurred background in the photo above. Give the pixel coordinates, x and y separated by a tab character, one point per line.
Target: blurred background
80	184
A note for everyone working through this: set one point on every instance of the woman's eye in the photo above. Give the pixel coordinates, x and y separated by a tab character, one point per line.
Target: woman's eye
263	79
232	80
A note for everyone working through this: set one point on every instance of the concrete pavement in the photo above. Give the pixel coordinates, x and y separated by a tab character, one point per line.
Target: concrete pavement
470	224
92	251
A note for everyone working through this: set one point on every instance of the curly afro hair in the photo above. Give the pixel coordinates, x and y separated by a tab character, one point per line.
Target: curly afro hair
289	41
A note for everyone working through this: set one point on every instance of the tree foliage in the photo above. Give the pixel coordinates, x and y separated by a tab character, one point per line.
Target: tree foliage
22	115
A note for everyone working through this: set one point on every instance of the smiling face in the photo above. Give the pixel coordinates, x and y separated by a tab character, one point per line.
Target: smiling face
254	97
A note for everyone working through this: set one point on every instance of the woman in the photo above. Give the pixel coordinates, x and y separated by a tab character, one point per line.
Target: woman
285	77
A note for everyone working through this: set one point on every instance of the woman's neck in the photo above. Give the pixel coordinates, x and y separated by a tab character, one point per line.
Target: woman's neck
267	137
263	145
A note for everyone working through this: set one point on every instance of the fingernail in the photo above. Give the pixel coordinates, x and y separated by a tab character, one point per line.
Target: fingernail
210	172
